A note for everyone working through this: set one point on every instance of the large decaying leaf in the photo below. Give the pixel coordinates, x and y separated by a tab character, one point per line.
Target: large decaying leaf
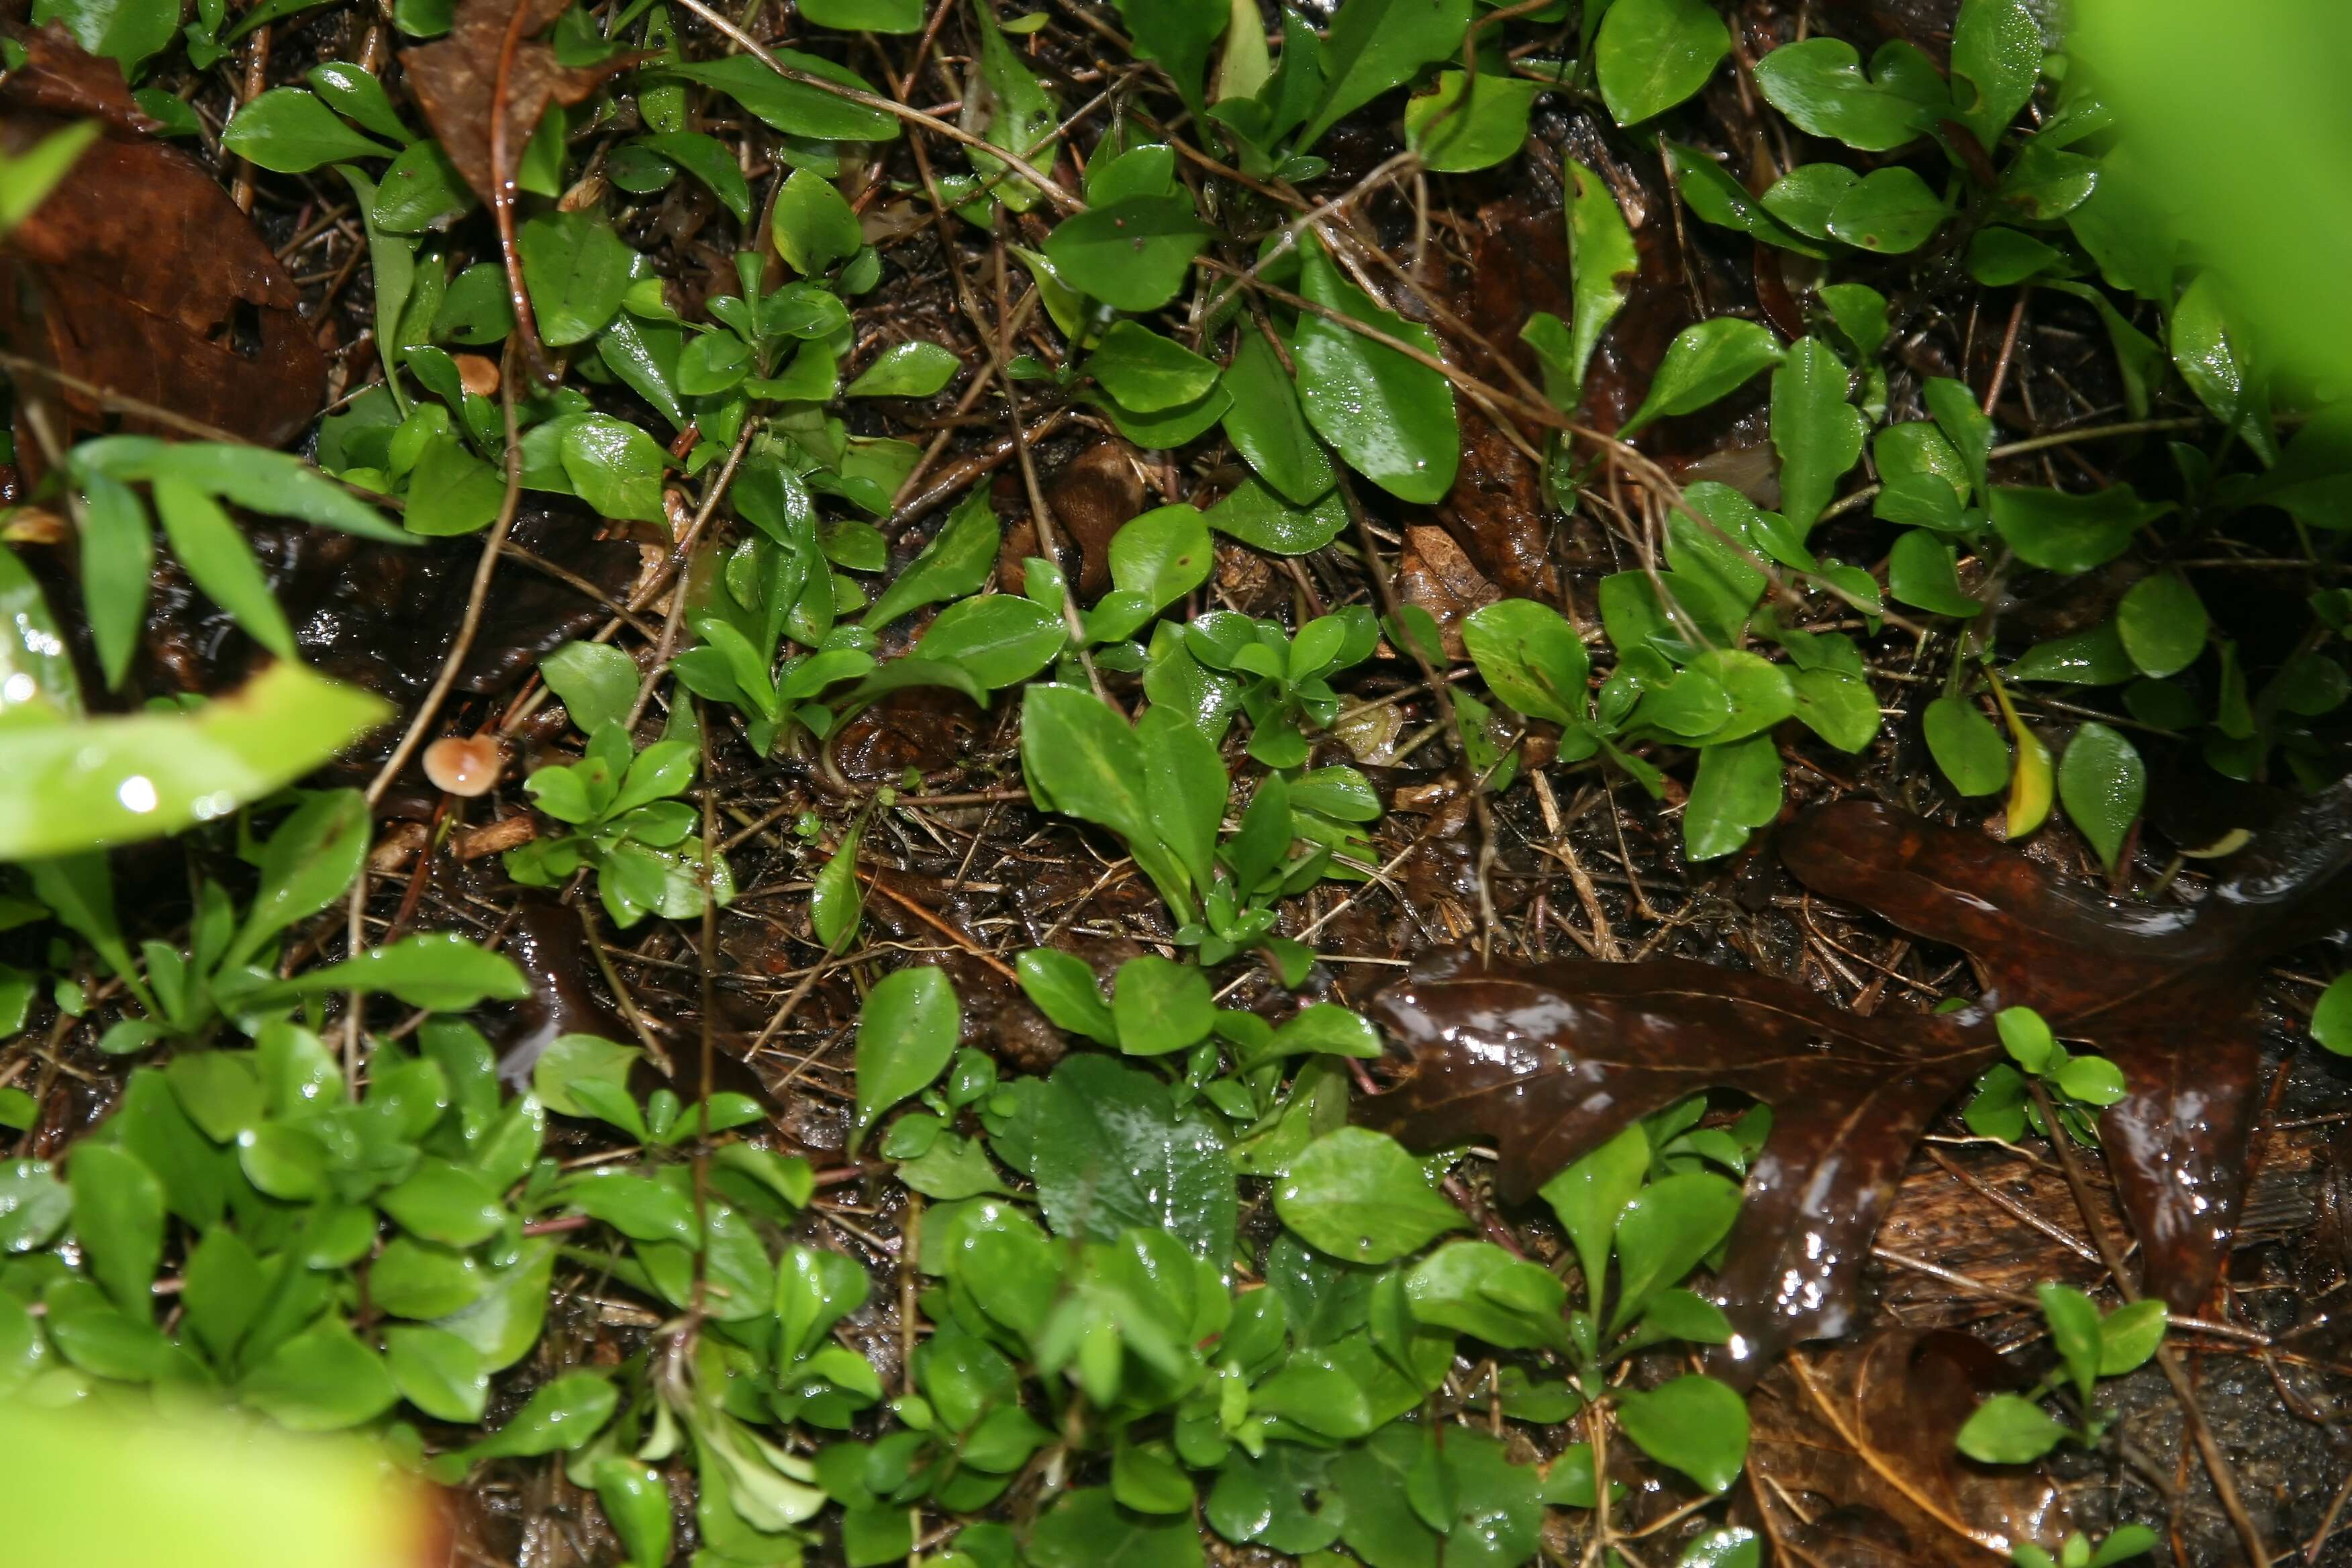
1549	1061
454	81
1863	1433
139	275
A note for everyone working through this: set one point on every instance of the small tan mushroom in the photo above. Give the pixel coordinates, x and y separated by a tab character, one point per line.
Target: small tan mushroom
465	764
476	374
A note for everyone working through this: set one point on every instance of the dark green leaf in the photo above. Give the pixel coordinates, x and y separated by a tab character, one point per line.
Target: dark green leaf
954	563
1601	263
1736	790
1114	1154
1694	1425
1455	131
797	108
1819	85
1160	1006
1391	416
2162	624
1376	44
2103	784
1652	54
1966	746
904	1036
1267	427
1704	362
289	132
1131	253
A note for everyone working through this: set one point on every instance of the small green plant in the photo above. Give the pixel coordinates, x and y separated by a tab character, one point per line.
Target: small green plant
2015	1429
2077	1085
1284	682
629	827
2078	1551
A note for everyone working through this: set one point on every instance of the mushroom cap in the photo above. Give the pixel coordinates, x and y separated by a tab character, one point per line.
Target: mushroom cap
465	764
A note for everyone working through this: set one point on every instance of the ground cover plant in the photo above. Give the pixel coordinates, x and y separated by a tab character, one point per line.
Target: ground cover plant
1402	783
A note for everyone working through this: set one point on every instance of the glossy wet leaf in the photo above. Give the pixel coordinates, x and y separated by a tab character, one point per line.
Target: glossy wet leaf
1652	54
1996	60
115	780
1967	747
2102	784
956	561
1819	85
290	131
1601	262
1132	254
1470	122
1704	362
1694	1424
813	226
915	369
1113	1153
1376	44
2060	531
577	271
793	107
1147	373
906	1033
438	969
1735	791
1359	1196
1159	1006
2162	624
1921	571
999	640
1816	431
1391	416
1531	657
1889	211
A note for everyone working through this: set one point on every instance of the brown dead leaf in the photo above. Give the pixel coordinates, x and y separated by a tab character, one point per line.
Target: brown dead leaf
1851	1460
139	275
1436	574
454	81
1096	493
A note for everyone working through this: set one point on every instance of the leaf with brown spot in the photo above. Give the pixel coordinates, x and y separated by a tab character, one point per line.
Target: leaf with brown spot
1852	1462
454	81
139	275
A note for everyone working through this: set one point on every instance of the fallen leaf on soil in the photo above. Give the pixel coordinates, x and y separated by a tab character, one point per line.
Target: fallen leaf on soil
1852	1461
1434	573
454	81
139	275
1550	1060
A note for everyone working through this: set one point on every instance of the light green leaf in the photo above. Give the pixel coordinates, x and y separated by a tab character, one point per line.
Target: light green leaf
1359	1196
1652	54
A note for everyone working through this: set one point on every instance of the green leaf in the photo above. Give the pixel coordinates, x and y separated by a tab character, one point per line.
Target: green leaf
1694	1425
835	901
416	1280
117	1214
1162	556
1591	1194
453	491
1967	746
440	970
1819	84
2096	658
2093	1081
613	466
1664	1230
1257	515
1390	1486
422	190
1087	1528
1531	657
2102	784
865	16
2009	1429
1476	1287
1391	418
220	562
1816	431
999	640
2331	1024
577	271
1716	197
321	1380
1376	44
1160	1006
1888	211
2129	1336
1735	791
1705	362
445	1202
1267	427
288	132
813	226
223	1288
1147	373
596	681
1456	131
1020	114
1921	570
504	1325
904	1036
1179	34
1359	1196
916	369
1131	253
126	31
34	1204
560	1416
2063	533
710	161
2163	625
308	860
1652	54
796	107
1082	760
957	562
118	553
1602	264
1115	1153
1062	987
437	1371
1996	60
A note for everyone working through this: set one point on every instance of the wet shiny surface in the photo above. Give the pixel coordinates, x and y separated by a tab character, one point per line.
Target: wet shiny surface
1547	1062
